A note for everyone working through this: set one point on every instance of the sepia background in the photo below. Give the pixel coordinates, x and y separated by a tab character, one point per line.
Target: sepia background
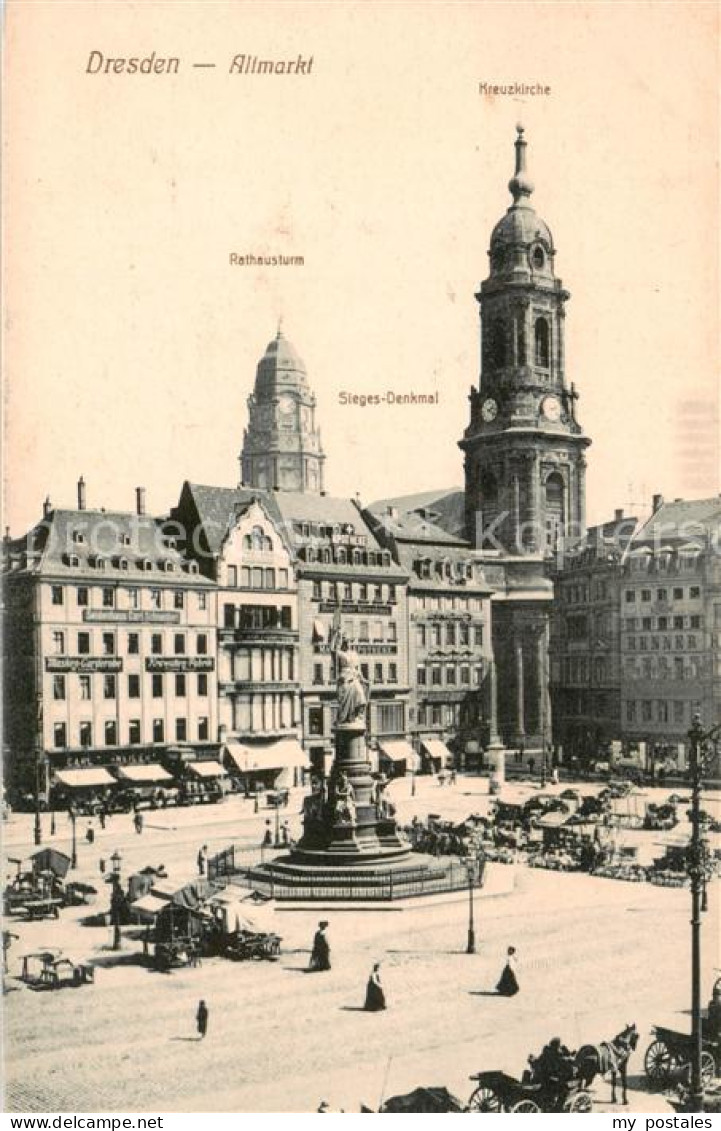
131	342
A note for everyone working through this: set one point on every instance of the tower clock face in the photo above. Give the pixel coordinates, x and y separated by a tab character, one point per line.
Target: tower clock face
489	410
551	409
286	405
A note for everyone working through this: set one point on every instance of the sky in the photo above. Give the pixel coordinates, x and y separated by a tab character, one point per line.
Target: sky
131	342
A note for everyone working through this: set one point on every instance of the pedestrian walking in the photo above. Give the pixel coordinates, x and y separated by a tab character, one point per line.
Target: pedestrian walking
202	859
519	755
452	777
268	837
201	1019
508	982
531	765
285	833
138	822
320	954
101	866
101	818
90	834
375	994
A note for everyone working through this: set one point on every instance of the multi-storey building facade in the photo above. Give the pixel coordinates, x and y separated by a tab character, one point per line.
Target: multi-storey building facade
670	609
449	637
585	641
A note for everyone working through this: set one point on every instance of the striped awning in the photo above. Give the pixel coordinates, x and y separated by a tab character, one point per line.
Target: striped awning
437	750
85	778
398	750
280	755
210	769
150	772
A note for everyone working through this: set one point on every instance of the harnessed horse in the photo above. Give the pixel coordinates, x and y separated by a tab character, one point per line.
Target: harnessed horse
607	1058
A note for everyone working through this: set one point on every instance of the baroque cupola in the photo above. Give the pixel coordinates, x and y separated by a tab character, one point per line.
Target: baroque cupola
282	446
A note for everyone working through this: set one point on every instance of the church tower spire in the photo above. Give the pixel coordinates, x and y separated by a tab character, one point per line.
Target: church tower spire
524	462
281	446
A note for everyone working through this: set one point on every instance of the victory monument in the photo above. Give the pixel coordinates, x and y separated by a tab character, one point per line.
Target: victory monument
351	846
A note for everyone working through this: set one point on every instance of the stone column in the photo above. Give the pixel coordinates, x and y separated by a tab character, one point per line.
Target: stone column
535	473
493	737
516	510
560	355
520	711
581	492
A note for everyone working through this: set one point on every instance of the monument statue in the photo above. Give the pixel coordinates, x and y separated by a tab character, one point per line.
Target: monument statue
351	690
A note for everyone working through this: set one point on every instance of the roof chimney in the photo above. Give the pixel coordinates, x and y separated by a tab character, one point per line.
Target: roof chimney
46	507
657	503
140	500
81	494
618	514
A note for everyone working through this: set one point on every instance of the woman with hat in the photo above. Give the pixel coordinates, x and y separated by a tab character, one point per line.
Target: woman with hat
320	954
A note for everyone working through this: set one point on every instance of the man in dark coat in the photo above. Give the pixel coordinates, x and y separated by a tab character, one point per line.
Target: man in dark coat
320	955
201	1018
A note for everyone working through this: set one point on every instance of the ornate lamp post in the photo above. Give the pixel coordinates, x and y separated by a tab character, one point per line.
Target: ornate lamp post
38	832
74	850
703	748
471	872
116	897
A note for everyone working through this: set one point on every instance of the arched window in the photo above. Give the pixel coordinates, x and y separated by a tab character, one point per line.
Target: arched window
341	556
247	542
498	343
257	538
268	544
488	498
542	337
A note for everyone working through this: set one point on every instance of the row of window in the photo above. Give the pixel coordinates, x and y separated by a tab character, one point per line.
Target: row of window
110	685
111	640
448	602
132	598
661	643
426	569
361	631
658	710
449	675
439	714
319	673
679	594
257	616
434	635
578	594
576	669
350	591
102	562
342	555
257	577
110	732
659	667
646	624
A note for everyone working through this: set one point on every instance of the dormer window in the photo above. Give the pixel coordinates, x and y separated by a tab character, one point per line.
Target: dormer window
120	563
72	560
192	567
78	537
124	539
145	564
168	566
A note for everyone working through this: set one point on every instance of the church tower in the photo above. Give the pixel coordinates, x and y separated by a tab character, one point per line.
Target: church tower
524	447
281	445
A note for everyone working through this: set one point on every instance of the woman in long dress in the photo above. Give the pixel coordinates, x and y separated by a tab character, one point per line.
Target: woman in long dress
508	983
375	996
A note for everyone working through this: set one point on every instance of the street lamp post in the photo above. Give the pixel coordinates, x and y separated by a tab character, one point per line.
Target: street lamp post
471	871
74	848
702	747
38	832
277	823
116	897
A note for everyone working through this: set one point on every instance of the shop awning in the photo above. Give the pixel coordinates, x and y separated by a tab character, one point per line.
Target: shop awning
149	904
437	750
397	750
284	753
209	769
85	778
148	773
318	631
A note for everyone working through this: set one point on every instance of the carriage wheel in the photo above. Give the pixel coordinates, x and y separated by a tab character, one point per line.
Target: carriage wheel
484	1099
526	1107
658	1062
580	1103
708	1068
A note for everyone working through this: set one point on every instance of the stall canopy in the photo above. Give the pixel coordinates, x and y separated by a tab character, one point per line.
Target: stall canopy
50	860
148	906
210	769
85	778
151	772
280	755
437	750
397	750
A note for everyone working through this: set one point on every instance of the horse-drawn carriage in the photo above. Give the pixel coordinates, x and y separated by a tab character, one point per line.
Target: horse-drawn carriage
245	945
498	1092
668	1057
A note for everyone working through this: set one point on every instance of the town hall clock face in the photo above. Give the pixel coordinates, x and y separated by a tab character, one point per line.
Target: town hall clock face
489	410
286	405
551	409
